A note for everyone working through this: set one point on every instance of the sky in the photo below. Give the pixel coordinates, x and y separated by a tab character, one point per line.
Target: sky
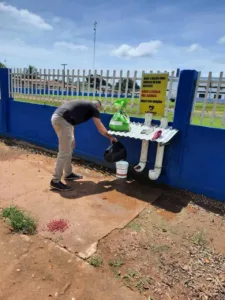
131	35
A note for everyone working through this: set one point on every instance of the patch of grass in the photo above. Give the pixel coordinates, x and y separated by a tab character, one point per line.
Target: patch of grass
117	273
95	261
127	278
200	238
161	248
117	263
135	226
143	284
19	220
133	280
57	102
132	273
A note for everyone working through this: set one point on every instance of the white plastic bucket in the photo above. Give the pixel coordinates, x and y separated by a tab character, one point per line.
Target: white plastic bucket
122	169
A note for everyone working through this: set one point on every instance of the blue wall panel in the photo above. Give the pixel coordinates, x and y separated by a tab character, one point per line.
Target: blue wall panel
203	167
32	123
1	123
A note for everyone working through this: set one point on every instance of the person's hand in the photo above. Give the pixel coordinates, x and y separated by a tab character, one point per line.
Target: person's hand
113	139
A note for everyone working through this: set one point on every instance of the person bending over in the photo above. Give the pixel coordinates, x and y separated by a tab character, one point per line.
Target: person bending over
65	118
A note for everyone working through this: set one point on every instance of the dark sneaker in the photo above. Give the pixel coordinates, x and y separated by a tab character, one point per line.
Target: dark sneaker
59	186
73	176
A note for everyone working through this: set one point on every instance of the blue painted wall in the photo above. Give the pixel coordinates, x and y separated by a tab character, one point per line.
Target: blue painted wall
1	123
203	164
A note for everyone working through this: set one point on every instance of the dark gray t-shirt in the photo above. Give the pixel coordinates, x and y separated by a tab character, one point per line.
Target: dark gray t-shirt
78	111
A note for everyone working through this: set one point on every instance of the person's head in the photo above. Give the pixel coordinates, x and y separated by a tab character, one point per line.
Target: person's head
98	104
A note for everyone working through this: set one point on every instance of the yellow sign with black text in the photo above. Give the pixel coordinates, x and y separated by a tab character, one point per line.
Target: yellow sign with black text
153	94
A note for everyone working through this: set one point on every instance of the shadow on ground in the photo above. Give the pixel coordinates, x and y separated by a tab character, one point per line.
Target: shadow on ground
131	188
171	200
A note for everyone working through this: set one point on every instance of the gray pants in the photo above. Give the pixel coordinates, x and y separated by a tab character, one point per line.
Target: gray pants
65	133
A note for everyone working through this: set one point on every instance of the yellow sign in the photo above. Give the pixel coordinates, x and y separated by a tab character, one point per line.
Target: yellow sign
153	94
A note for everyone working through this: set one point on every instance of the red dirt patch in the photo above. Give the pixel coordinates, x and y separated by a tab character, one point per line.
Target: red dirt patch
57	226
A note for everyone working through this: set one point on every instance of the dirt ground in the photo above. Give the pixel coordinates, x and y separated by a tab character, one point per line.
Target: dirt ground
167	255
160	244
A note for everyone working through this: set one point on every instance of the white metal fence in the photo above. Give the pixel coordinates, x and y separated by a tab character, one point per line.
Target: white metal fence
209	101
54	86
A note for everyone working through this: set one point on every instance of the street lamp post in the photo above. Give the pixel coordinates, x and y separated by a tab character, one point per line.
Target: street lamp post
95	25
64	74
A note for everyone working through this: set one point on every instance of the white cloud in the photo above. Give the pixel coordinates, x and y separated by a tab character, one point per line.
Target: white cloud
193	48
20	54
221	40
69	46
25	16
142	50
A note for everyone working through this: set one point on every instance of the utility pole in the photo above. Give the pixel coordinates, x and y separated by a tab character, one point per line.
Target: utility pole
95	28
64	74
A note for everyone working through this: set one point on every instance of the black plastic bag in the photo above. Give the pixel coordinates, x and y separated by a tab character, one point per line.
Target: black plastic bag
115	153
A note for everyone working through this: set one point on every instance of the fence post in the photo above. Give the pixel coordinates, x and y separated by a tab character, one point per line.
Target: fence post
5	96
185	98
182	115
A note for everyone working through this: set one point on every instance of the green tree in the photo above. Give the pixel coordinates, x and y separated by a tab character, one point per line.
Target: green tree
31	72
2	66
123	85
98	81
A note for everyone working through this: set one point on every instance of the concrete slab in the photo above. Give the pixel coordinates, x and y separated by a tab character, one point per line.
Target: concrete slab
97	205
38	269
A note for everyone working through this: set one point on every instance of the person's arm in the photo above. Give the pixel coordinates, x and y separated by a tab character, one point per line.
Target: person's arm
101	128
